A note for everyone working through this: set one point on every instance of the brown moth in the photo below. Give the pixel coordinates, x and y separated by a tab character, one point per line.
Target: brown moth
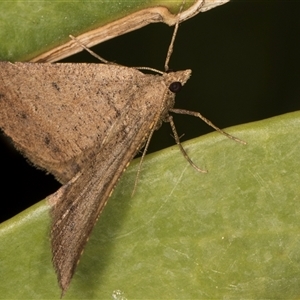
84	123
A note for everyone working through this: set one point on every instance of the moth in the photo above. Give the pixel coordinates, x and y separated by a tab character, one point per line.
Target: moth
84	123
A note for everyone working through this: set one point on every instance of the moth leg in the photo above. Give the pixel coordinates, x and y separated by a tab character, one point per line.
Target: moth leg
198	115
170	120
141	161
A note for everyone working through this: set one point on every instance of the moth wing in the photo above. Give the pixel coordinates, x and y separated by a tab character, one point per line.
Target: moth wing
56	113
77	205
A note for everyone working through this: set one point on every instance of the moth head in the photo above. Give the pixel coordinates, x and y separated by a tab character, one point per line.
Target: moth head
175	80
175	86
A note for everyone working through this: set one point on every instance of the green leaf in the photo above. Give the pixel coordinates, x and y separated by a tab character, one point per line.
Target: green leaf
30	28
230	233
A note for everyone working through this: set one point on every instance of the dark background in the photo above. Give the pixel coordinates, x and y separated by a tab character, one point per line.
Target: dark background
246	67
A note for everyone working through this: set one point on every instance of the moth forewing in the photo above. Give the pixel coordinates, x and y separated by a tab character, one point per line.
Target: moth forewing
79	205
87	120
60	111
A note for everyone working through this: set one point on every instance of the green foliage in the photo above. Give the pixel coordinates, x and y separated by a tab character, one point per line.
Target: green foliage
230	233
29	28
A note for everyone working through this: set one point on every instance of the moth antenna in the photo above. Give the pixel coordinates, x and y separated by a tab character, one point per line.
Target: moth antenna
149	69
141	161
90	51
171	46
177	140
170	50
198	115
109	62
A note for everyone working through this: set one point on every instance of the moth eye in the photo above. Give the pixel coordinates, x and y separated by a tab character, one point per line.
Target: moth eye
175	87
